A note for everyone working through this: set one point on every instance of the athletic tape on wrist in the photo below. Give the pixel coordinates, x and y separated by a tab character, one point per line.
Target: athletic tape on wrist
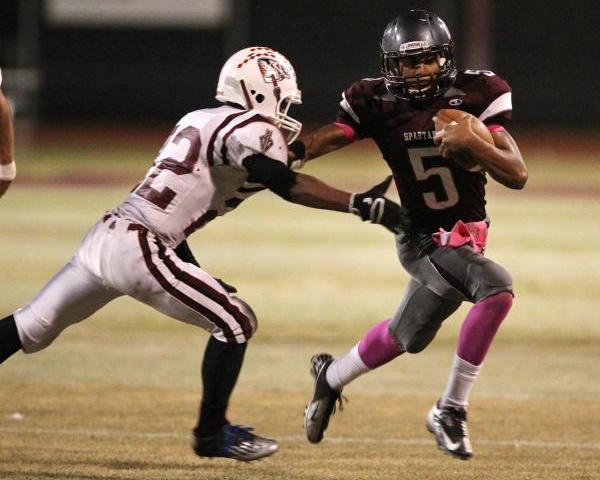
351	208
8	172
296	164
377	210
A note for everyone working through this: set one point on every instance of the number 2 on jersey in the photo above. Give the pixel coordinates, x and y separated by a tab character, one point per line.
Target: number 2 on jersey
162	198
417	156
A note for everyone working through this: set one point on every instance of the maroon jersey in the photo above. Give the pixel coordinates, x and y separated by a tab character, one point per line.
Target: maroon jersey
437	191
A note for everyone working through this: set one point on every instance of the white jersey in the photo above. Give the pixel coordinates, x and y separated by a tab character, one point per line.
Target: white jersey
198	173
197	176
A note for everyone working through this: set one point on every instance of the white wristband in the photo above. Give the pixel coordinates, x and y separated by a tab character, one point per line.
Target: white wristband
8	172
351	208
297	164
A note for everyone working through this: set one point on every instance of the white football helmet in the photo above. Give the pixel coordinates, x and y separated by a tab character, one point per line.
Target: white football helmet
259	78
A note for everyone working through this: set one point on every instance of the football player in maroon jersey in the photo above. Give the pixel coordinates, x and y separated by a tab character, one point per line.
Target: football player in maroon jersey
7	160
443	252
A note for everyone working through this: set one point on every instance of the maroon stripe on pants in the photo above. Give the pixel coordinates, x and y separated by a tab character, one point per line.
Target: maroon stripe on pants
166	285
206	290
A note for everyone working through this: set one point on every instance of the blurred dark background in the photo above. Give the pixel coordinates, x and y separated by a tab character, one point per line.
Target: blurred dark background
70	60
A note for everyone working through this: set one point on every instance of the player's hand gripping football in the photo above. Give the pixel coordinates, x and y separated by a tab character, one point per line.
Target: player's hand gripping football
374	207
454	137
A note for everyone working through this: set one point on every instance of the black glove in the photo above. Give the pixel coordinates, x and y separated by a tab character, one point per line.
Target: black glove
374	207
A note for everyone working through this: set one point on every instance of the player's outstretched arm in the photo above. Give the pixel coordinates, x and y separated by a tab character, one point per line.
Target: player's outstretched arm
326	139
311	192
371	206
7	165
503	160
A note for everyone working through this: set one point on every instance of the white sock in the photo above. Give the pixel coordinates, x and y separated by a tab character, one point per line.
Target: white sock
461	381
345	369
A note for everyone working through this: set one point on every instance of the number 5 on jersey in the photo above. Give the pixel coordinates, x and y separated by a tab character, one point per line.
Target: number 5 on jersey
417	156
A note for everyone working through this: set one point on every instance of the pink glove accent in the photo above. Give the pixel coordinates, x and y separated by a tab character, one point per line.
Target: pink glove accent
472	233
349	132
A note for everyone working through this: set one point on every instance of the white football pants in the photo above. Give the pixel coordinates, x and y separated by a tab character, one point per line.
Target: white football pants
116	258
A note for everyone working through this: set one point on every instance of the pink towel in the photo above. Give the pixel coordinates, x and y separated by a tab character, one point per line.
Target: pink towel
472	233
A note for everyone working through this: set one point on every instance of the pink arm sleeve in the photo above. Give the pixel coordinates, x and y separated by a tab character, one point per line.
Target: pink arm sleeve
349	132
495	128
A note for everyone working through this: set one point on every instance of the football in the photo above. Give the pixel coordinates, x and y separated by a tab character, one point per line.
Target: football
448	116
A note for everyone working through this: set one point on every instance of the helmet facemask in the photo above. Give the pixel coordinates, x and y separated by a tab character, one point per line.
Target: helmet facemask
289	126
419	88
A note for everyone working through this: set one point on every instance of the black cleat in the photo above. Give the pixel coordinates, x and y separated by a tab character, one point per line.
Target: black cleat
449	426
236	442
323	403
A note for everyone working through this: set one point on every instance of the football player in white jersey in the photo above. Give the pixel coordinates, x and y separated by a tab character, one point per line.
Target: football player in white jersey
7	158
213	160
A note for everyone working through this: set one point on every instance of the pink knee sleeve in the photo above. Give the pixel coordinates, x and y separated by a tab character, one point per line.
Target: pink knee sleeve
480	327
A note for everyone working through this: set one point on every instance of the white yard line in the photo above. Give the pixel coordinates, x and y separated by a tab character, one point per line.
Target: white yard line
301	439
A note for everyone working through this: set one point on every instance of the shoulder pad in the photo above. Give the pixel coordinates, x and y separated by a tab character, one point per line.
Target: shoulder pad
359	104
485	81
256	135
492	91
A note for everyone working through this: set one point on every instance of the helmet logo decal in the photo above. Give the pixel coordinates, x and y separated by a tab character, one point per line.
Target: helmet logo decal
455	102
272	71
266	141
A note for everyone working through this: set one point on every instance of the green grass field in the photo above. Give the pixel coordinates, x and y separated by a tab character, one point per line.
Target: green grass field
116	396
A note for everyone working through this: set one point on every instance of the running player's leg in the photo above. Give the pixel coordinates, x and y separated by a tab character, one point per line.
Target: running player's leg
72	295
420	316
411	329
376	348
489	286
